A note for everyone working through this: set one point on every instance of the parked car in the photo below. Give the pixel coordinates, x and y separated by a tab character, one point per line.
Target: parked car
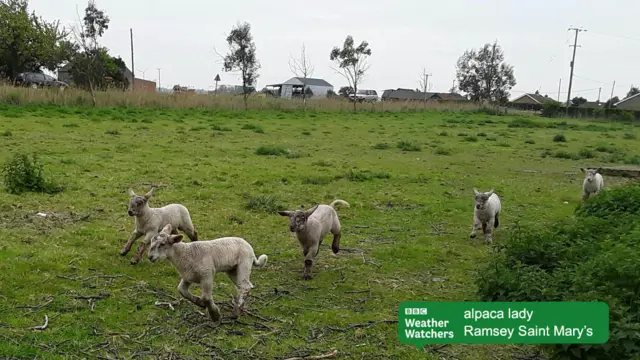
38	80
364	95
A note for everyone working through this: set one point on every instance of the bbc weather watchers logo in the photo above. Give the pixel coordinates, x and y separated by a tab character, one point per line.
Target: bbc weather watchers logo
415	311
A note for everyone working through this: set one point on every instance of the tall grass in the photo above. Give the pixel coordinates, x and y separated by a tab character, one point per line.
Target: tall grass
113	98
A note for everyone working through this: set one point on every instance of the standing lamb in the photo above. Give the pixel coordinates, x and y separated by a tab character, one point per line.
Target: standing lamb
486	211
198	262
593	182
311	226
149	221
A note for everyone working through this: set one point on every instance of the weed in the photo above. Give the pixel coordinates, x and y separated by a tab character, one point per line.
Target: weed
112	132
264	203
381	146
24	174
529	141
559	138
7	133
272	150
408	146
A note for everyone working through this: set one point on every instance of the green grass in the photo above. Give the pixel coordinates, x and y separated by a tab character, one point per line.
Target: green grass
410	213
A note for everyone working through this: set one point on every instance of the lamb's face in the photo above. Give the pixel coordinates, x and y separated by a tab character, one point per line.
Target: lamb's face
297	219
160	244
481	198
135	204
590	174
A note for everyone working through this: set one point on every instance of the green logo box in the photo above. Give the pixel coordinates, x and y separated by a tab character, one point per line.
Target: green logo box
421	322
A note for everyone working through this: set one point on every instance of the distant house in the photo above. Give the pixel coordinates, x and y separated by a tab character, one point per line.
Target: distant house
531	101
412	95
296	85
630	103
591	105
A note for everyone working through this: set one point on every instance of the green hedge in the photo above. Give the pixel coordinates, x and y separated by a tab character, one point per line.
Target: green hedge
594	256
552	110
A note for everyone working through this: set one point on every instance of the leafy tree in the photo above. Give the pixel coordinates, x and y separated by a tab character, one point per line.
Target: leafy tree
345	91
352	62
611	102
484	75
242	58
90	65
28	42
577	101
331	93
634	90
307	93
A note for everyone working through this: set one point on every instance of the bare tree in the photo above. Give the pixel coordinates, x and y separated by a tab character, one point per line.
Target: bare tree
352	62
424	85
89	63
302	68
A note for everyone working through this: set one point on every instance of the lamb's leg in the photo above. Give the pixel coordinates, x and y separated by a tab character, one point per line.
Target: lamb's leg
335	230
141	248
484	228
309	254
476	225
207	287
585	196
241	278
135	235
190	230
487	234
183	288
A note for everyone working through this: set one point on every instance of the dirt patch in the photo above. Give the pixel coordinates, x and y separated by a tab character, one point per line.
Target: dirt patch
41	221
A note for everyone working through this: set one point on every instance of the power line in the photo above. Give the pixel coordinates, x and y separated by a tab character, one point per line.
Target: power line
617	36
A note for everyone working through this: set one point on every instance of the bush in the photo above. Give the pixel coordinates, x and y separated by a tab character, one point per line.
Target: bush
271	150
408	146
592	256
586	154
365	175
381	146
559	138
629	136
24	174
264	203
529	141
471	139
551	110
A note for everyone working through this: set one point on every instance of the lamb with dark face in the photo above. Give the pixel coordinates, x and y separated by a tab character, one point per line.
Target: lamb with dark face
311	226
486	213
149	221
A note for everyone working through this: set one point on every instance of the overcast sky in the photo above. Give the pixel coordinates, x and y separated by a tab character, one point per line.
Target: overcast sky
404	36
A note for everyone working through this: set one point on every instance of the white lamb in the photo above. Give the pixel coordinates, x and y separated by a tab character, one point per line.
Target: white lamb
311	226
486	212
593	182
149	221
198	262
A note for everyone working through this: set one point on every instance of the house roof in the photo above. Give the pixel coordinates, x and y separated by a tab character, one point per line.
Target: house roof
627	99
303	81
410	94
537	98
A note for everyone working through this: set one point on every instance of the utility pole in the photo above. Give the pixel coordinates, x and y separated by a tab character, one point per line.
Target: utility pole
424	83
599	90
573	59
158	79
133	76
559	86
612	88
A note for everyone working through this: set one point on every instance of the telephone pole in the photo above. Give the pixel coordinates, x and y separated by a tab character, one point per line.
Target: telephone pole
573	59
612	88
158	79
424	82
133	76
599	90
559	86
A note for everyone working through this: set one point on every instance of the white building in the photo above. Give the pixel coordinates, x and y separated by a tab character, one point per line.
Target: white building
296	85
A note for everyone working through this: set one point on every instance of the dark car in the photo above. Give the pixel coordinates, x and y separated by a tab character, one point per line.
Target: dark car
38	80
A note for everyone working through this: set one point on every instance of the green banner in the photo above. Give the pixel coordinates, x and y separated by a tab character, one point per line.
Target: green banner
423	323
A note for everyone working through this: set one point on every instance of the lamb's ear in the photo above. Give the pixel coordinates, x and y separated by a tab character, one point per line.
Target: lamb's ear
131	193
285	213
175	238
167	229
475	191
311	211
149	194
491	192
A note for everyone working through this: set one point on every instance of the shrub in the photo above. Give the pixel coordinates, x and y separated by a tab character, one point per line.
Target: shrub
24	174
381	146
551	110
529	141
586	154
408	146
365	175
271	150
592	256
255	128
566	155
559	138
441	151
264	203
482	134
629	136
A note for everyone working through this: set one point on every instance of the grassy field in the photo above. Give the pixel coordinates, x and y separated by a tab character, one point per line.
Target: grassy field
408	177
